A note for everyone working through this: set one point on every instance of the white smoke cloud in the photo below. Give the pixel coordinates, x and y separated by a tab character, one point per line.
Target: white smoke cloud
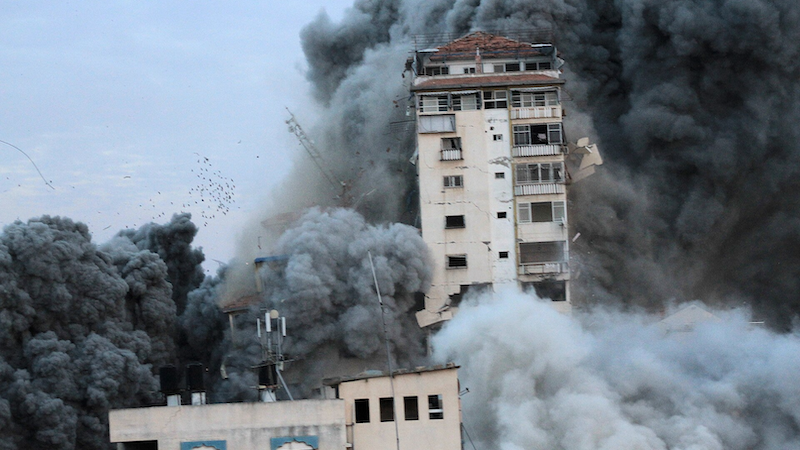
611	380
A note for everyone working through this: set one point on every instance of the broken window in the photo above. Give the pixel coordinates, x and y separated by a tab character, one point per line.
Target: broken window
387	409
437	70
437	124
554	290
361	406
453	181
454	222
468	102
495	99
435	409
451	149
533	134
541	252
411	408
540	173
542	212
456	261
531	99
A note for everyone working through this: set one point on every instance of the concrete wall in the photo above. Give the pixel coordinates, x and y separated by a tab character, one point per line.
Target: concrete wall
425	433
239	425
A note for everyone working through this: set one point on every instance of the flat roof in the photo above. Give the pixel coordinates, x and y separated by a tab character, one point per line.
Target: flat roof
484	80
379	373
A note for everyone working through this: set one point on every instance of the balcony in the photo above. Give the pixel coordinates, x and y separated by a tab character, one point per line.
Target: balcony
452	154
543	268
538	189
536	112
537	150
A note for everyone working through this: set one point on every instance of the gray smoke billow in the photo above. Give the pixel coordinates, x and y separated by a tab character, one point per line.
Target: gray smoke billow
606	379
694	105
325	288
83	327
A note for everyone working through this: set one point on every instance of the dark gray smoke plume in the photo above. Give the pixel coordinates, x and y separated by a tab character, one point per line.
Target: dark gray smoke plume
82	327
609	380
694	104
325	289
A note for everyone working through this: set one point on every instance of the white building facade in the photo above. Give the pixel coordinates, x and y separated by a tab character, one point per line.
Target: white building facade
492	176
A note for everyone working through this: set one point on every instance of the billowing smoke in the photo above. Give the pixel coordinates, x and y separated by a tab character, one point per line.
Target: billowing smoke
323	285
83	327
694	105
608	380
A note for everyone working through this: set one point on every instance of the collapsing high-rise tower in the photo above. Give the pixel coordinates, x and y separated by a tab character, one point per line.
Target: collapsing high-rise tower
491	161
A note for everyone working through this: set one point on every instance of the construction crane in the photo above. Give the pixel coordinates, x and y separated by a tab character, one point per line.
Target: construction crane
316	157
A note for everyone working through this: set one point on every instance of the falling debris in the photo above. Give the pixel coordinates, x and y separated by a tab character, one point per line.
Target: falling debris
48	183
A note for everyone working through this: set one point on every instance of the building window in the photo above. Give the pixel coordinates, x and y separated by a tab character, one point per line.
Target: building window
541	252
507	67
499	175
433	103
497	137
453	181
451	149
542	212
411	408
387	409
531	99
456	261
495	99
361	406
469	70
437	70
502	215
503	255
454	222
435	410
540	173
467	102
554	290
538	65
442	123
532	134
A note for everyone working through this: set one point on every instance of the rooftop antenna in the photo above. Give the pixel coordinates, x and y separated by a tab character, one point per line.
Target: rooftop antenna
388	353
270	334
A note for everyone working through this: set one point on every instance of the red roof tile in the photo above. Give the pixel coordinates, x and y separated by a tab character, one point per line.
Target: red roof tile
488	80
490	45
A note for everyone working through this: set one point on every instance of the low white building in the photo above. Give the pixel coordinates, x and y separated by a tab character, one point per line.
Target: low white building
297	425
419	407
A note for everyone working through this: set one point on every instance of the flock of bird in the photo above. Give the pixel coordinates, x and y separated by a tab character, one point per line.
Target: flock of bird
213	193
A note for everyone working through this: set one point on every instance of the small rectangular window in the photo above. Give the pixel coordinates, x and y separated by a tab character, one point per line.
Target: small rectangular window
512	67
387	409
499	68
411	408
497	137
457	261
362	410
503	255
454	222
499	175
469	70
453	181
495	99
435	410
502	215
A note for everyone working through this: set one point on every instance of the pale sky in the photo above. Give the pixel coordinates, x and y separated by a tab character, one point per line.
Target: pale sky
116	102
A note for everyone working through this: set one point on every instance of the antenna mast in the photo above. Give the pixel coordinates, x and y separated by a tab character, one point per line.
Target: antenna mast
270	334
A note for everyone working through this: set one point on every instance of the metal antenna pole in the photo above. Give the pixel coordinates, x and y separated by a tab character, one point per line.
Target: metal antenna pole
388	353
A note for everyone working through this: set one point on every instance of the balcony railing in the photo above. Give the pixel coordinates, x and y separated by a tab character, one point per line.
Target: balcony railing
536	112
543	268
538	189
451	154
537	150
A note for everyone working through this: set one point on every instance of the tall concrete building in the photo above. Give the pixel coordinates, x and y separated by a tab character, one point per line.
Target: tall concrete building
491	162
